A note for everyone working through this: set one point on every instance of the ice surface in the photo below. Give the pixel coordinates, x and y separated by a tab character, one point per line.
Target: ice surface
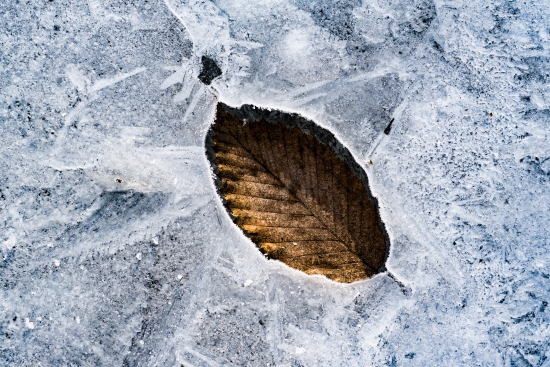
116	251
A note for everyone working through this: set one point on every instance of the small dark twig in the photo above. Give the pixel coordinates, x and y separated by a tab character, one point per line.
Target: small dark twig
388	128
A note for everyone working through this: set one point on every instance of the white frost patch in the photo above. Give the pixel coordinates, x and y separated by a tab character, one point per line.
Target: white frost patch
10	242
545	166
29	324
176	77
104	83
188	83
305	49
79	80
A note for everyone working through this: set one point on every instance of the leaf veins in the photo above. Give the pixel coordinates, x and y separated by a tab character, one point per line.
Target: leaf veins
295	198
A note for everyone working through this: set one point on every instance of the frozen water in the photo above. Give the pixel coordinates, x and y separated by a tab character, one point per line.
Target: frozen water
116	251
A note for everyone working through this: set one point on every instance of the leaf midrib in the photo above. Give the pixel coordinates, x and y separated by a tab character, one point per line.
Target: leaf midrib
294	196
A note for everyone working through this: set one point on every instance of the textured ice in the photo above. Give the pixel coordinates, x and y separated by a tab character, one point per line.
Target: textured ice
116	251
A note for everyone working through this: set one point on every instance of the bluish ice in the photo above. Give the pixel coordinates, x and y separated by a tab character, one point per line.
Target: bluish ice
116	251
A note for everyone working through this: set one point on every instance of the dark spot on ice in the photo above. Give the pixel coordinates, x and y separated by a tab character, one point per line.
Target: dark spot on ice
410	355
543	306
118	180
438	47
210	70
388	128
56	28
527	317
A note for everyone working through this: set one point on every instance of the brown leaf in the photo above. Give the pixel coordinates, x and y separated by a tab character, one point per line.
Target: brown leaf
297	193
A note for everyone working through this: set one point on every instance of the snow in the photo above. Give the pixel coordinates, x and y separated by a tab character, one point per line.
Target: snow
116	251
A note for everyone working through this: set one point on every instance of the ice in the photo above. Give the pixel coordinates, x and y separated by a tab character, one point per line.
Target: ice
116	251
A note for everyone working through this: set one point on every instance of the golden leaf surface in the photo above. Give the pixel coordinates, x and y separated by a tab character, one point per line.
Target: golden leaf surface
293	196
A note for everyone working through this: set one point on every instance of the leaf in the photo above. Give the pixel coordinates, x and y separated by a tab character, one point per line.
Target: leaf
297	193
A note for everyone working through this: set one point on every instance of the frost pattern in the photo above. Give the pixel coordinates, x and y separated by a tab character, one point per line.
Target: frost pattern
115	250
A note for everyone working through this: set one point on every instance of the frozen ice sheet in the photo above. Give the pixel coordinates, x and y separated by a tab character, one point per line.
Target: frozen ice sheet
116	251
